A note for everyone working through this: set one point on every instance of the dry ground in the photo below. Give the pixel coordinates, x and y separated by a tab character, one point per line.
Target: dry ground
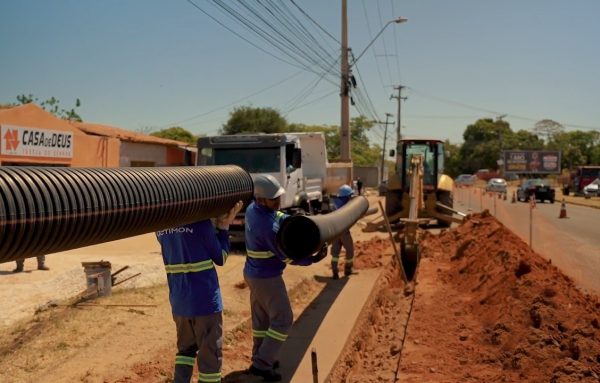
486	308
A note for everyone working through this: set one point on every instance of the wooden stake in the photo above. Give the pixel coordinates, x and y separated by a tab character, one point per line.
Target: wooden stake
389	229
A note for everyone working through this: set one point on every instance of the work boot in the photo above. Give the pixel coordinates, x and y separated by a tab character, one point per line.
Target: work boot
43	267
267	375
347	272
335	275
19	269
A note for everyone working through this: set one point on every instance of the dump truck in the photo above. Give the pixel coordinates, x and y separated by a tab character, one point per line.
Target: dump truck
297	160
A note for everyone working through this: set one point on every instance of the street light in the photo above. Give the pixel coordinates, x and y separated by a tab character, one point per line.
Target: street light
396	20
345	76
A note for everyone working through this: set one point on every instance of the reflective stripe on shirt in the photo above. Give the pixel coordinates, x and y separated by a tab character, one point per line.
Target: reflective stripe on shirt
260	254
189	267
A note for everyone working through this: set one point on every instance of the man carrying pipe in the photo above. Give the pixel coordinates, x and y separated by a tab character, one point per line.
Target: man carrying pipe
190	253
270	306
345	240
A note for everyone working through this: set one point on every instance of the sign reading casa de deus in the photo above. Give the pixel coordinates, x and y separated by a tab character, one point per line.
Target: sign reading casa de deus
33	142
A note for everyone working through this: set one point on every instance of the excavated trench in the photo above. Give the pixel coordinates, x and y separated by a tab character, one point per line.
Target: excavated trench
485	308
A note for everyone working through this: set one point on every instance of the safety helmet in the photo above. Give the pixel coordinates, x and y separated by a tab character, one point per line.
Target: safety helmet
267	186
345	191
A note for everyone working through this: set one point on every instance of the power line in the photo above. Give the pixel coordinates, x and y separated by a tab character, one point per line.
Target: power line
234	102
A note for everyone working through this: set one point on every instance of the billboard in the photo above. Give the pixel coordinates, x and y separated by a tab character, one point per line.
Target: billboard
34	142
532	161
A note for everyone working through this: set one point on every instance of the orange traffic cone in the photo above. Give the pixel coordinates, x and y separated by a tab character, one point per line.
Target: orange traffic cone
514	198
563	209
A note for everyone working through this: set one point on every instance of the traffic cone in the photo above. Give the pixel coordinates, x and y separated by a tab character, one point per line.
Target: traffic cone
514	198
563	209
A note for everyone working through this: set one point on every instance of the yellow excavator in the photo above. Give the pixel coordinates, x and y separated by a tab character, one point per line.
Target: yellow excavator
418	193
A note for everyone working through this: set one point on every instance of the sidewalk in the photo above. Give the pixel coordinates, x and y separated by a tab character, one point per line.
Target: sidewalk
325	326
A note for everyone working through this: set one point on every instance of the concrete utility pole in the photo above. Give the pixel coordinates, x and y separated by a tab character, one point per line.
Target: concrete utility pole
399	98
387	116
345	108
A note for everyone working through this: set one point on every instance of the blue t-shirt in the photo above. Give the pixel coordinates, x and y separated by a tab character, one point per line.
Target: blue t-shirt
264	259
190	253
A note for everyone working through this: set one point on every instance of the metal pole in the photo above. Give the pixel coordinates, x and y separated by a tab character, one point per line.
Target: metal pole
315	368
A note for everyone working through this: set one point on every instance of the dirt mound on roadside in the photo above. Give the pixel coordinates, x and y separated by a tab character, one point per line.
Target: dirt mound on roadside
533	322
372	253
486	309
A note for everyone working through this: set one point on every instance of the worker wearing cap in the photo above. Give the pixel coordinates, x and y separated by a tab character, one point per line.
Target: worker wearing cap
269	303
190	253
345	240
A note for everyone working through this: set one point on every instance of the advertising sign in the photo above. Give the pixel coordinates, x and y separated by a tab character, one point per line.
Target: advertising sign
33	142
532	161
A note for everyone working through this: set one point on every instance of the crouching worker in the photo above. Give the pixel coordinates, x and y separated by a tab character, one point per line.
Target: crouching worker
270	306
345	240
190	253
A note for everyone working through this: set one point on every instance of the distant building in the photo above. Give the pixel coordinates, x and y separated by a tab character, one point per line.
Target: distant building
31	136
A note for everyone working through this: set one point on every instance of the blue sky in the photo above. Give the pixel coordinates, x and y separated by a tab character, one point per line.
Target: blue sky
141	64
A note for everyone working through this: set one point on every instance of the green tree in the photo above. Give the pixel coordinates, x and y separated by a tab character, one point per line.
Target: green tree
246	119
363	154
52	105
176	133
483	142
547	129
453	163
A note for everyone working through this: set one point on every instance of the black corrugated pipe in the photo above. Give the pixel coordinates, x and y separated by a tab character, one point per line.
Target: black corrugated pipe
301	236
49	209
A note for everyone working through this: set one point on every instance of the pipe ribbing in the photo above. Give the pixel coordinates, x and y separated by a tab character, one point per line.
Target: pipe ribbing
301	236
49	209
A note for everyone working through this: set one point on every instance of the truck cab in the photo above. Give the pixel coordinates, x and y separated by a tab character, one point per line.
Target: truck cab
279	155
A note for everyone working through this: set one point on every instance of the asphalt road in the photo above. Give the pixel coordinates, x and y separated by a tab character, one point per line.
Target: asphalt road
572	243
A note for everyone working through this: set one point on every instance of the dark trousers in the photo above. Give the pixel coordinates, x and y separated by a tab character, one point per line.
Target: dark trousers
272	319
199	339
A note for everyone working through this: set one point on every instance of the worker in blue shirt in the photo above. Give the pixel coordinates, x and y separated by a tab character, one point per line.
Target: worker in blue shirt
269	302
345	240
190	253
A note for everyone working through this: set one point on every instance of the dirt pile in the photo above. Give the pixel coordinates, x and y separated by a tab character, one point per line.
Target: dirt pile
532	321
486	308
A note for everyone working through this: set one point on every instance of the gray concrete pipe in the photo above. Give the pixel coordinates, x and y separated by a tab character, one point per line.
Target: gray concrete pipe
301	236
49	209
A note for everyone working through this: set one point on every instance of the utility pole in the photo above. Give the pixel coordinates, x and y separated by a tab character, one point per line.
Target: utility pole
387	116
398	121
345	107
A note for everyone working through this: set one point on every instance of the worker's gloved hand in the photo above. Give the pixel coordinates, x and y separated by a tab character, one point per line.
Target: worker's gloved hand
225	220
320	254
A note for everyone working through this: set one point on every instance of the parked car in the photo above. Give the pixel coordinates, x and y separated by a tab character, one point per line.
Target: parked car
511	177
592	189
497	185
465	180
539	188
487	174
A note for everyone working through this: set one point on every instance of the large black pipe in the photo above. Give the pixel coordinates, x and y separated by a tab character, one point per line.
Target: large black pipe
49	209
301	236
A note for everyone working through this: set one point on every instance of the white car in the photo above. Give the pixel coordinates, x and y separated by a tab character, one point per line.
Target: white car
497	185
592	188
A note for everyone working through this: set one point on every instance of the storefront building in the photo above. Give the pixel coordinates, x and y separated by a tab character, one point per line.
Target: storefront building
30	136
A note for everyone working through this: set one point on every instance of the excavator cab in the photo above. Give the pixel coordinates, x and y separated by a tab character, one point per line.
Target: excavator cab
437	187
418	192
